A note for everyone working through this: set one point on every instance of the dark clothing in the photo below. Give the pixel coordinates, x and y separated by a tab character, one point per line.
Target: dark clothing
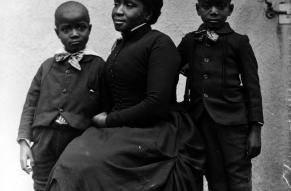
226	145
145	146
48	146
59	89
141	72
62	90
225	98
223	77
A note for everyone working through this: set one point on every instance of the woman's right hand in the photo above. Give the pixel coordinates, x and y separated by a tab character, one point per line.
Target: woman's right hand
100	120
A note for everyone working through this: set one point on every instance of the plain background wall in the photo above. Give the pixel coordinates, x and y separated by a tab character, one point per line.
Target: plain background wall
27	38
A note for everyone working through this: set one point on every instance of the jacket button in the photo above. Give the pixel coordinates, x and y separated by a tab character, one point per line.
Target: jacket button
206	60
64	91
205	95
67	71
61	110
205	76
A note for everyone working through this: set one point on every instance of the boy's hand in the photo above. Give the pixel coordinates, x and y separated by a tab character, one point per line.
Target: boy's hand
254	141
100	120
25	157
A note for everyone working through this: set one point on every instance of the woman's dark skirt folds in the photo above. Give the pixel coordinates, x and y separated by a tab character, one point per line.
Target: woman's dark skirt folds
166	157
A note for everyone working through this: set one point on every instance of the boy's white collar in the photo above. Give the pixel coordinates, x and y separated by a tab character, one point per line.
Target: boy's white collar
86	51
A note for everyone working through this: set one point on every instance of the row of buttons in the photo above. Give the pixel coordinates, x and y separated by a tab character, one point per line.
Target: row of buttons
205	76
64	91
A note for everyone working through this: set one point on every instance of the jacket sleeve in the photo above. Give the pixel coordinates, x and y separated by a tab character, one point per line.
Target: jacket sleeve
104	101
183	51
250	80
24	131
162	72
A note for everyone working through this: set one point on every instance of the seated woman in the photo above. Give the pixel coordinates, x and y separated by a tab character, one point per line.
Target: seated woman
140	144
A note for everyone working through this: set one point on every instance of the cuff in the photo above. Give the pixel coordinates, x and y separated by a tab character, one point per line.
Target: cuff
28	142
258	123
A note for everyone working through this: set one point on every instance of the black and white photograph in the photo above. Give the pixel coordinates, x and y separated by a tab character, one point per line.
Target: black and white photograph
145	95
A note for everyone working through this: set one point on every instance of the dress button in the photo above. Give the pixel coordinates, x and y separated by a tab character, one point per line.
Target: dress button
205	95
206	60
64	91
205	76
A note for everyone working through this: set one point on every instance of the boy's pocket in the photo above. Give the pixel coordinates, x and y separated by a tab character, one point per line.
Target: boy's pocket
233	95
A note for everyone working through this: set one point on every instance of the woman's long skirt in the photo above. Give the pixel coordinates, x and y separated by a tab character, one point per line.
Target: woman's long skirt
168	156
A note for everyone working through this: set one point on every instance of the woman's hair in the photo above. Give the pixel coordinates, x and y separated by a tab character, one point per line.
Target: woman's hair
154	7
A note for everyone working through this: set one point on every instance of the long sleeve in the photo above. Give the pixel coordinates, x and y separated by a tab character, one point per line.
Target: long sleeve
183	49
29	107
250	81
161	74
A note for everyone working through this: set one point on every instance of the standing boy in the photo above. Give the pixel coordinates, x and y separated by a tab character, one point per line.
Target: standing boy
63	96
225	97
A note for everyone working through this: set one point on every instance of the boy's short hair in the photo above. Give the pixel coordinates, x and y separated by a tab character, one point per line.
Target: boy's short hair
155	7
71	4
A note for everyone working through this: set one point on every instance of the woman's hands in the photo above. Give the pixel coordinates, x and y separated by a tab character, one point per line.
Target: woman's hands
100	120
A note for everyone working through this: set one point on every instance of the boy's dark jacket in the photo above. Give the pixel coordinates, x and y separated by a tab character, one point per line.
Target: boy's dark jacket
223	77
58	88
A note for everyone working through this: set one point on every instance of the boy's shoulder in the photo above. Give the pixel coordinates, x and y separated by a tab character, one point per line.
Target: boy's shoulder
190	35
94	60
225	31
47	63
238	37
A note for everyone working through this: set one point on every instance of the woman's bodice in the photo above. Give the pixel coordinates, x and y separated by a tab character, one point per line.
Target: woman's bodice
141	75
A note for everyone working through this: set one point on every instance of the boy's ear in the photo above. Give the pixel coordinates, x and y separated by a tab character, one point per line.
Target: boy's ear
198	9
149	15
90	27
231	6
57	32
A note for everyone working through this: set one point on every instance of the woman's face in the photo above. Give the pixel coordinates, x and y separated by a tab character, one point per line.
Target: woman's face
128	14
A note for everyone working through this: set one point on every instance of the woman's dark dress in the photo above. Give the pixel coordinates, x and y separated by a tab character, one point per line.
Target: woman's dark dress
145	147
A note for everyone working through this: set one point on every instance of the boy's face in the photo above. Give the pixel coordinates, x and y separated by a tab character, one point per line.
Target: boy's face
128	14
73	29
214	12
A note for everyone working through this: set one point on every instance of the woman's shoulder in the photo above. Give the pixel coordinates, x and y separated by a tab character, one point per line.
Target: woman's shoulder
156	36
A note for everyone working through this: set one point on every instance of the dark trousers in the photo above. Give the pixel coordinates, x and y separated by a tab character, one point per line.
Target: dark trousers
49	143
227	168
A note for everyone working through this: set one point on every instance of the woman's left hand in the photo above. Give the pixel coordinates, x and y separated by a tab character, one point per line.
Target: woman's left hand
100	120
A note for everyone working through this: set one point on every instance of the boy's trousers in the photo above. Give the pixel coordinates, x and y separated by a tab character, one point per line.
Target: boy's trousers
227	168
49	143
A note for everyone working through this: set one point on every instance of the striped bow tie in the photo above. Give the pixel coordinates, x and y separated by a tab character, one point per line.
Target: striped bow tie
73	59
206	34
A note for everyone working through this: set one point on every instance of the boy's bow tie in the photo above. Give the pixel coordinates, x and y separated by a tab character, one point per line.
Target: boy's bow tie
73	59
206	34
